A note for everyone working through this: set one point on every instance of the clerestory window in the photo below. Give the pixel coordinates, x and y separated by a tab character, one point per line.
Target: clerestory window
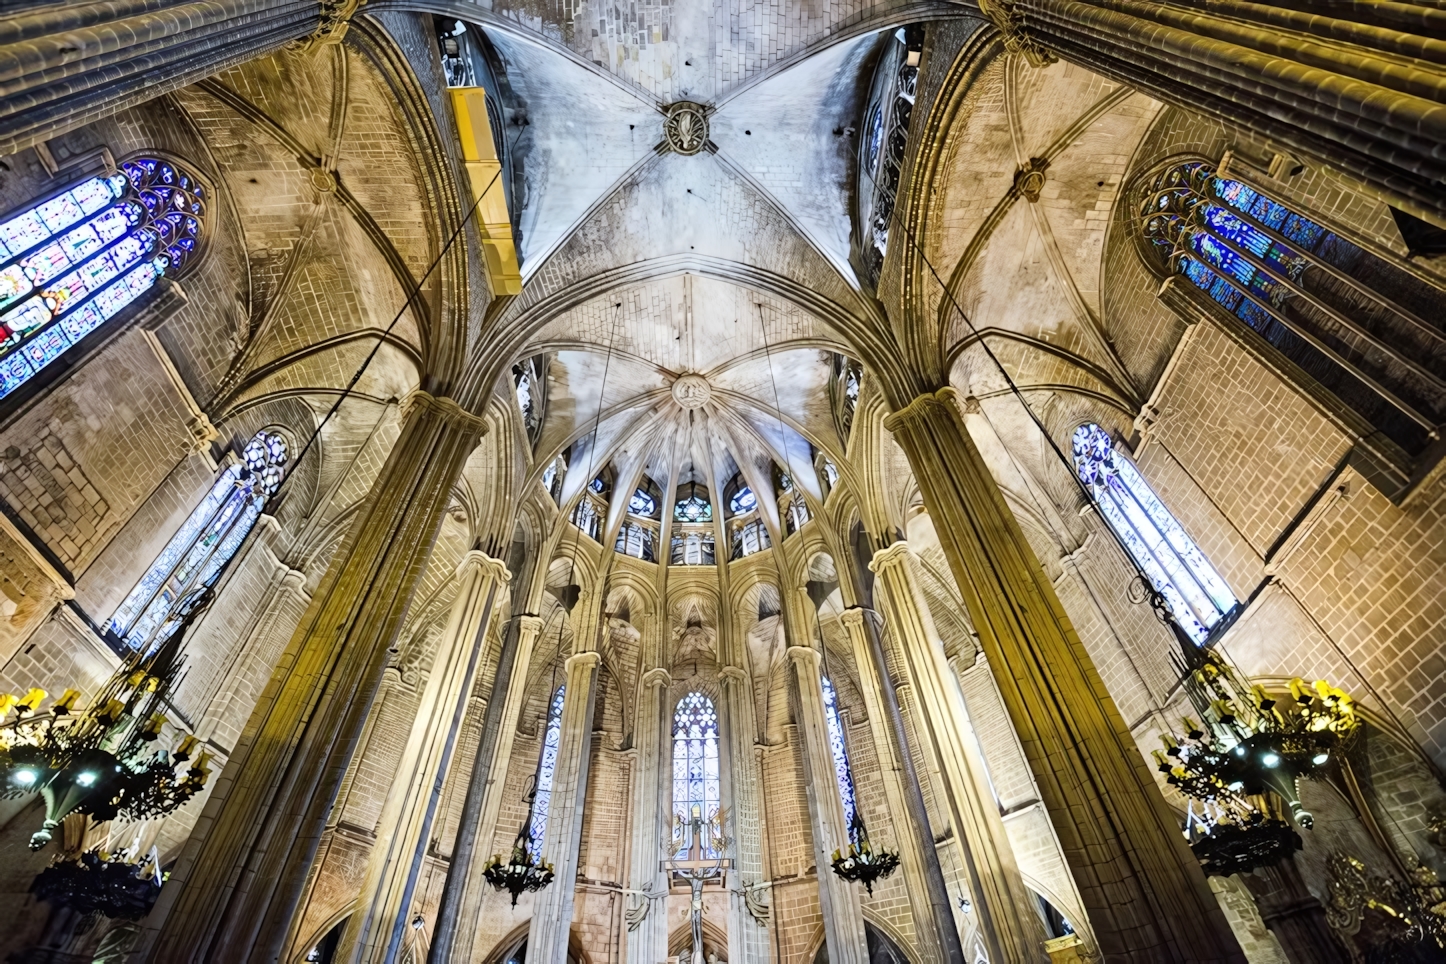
1198	598
546	767
199	551
72	262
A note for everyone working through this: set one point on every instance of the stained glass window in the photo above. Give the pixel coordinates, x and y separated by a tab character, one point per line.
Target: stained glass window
1196	594
586	517
842	772
695	508
693	549
642	504
205	543
69	264
1362	327
695	761
598	485
743	501
750	538
546	767
635	540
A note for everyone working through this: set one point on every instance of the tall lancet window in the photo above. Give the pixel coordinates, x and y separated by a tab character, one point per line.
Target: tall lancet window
546	767
72	262
206	541
842	772
695	762
1196	594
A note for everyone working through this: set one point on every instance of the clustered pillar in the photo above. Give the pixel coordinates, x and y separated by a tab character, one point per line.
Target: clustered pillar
375	931
1144	891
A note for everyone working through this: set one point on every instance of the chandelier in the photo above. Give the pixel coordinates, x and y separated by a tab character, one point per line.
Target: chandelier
861	862
524	870
103	760
1241	766
121	885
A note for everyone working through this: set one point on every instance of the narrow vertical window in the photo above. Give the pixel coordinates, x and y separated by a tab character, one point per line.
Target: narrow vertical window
695	762
842	772
546	767
206	541
71	263
1196	594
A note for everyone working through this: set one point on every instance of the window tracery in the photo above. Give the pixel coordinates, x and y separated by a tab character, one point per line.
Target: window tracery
1353	321
842	771
546	767
1198	598
695	762
695	508
199	551
643	504
71	263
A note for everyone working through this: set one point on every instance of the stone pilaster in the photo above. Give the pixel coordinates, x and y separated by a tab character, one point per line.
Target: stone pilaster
237	883
647	937
70	64
1143	890
747	934
843	918
375	931
552	913
462	896
914	844
1009	924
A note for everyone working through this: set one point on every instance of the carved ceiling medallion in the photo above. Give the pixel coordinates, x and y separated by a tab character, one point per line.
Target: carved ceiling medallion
692	391
686	127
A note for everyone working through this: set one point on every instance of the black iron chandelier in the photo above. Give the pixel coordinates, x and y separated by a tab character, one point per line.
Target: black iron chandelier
861	862
523	870
121	885
102	760
1240	767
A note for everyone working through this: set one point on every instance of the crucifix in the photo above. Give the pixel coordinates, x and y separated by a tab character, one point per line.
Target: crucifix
697	868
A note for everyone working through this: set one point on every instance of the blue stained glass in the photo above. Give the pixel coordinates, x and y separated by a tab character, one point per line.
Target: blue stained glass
695	508
546	768
743	501
14	371
75	244
843	773
1196	594
695	765
642	504
201	548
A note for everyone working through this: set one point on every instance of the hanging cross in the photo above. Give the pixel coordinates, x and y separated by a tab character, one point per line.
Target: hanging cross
697	868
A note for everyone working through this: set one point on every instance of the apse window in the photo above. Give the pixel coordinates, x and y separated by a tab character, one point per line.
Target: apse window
1198	598
76	260
199	551
546	767
696	785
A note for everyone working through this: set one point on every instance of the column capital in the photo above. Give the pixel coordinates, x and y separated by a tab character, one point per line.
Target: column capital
804	654
446	408
922	407
658	676
895	554
734	675
853	617
530	624
476	558
587	660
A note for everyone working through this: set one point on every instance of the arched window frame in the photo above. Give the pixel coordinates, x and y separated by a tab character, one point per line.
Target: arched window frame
86	259
1342	314
842	770
1197	596
546	770
697	765
201	549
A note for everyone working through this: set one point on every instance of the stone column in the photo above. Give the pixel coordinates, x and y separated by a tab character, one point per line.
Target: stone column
747	933
462	894
1143	890
843	916
915	844
647	938
552	913
65	65
375	931
1008	921
1348	83
241	875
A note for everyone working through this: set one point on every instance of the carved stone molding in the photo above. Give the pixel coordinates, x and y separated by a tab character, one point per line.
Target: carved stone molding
448	409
